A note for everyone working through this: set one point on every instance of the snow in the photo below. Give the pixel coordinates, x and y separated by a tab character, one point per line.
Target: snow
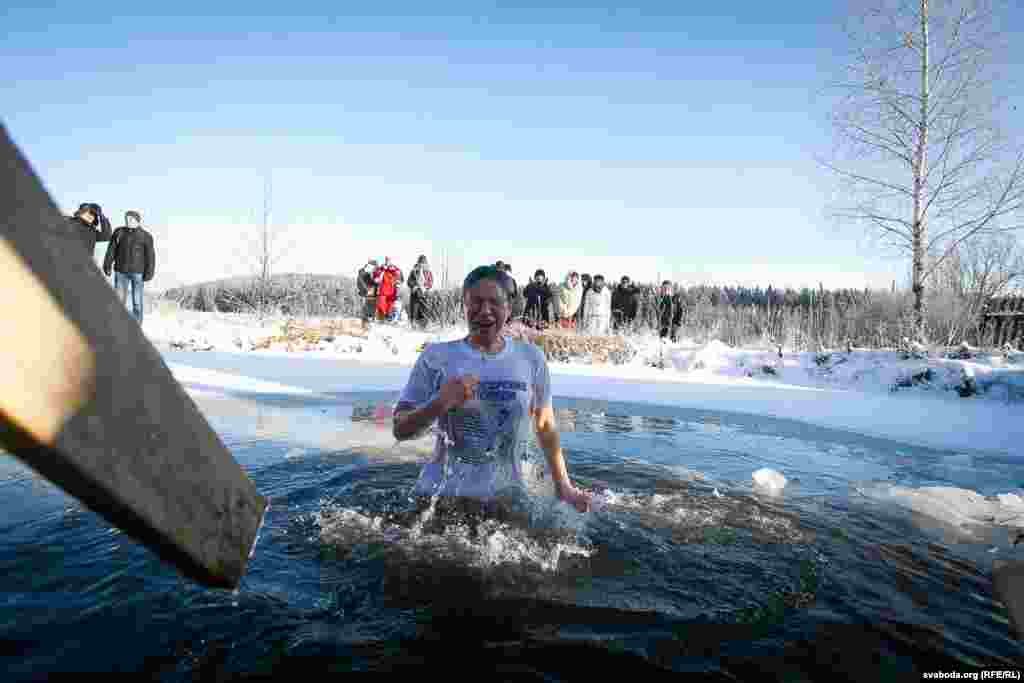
769	480
207	381
961	507
848	391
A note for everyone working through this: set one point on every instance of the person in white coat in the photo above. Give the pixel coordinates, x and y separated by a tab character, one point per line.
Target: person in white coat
597	308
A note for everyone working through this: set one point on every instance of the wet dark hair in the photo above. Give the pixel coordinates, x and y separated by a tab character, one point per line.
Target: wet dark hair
481	273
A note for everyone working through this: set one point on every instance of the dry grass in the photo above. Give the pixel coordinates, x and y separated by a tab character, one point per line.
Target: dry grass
566	345
305	336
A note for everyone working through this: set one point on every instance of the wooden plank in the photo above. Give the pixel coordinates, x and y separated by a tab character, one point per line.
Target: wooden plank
90	405
1008	582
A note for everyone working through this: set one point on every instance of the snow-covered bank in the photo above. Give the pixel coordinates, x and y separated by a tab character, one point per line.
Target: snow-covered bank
921	420
845	391
979	376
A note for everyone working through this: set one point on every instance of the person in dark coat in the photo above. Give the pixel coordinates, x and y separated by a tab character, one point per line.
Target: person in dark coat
585	283
131	256
366	287
670	311
90	226
421	281
625	304
518	301
538	301
506	268
635	301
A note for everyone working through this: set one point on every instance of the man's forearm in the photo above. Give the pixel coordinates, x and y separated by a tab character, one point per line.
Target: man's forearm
410	424
552	445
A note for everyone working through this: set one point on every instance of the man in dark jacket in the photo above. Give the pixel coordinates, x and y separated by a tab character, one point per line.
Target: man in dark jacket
366	287
518	302
133	259
625	302
538	301
670	312
585	283
90	226
421	281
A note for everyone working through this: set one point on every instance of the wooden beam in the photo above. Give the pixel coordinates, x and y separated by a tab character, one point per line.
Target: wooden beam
89	404
1008	581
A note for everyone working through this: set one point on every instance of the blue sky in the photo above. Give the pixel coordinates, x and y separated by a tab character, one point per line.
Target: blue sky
650	141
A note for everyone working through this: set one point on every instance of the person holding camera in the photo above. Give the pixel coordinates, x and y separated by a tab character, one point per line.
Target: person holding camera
90	225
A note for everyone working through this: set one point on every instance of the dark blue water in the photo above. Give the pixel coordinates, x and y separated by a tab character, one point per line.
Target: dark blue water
684	567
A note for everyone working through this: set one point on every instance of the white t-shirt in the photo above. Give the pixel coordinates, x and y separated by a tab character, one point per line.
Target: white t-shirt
483	442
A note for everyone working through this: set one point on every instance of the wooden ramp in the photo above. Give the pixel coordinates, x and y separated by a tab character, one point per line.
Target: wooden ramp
86	401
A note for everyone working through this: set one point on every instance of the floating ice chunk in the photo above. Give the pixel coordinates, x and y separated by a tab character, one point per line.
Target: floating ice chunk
947	503
716	493
953	505
1011	501
770	480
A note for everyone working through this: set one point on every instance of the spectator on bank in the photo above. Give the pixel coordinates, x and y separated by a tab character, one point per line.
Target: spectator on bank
536	312
90	226
367	288
421	281
597	306
507	269
518	301
625	303
585	283
131	255
670	312
567	301
388	278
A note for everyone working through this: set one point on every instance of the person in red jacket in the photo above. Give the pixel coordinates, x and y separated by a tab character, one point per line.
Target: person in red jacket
388	278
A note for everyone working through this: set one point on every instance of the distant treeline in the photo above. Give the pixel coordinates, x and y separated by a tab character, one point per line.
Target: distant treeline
797	318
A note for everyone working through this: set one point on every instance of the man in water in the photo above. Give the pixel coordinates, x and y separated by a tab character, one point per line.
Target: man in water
485	392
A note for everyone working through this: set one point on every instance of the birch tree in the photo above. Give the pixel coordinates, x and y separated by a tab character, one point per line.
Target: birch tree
920	154
265	250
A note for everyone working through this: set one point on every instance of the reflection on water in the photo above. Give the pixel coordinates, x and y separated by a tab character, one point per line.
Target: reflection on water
682	566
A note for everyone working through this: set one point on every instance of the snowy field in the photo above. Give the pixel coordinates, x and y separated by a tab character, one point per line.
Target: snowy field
874	393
